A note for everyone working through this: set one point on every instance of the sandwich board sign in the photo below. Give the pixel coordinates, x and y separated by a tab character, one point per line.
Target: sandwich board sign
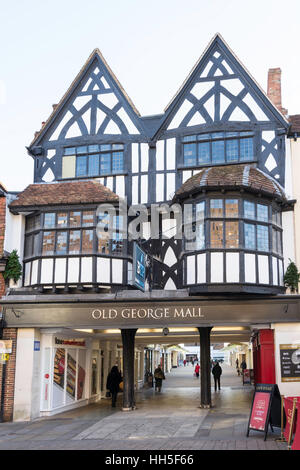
5	350
265	409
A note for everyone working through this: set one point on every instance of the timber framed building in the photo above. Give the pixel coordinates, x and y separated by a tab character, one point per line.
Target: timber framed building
222	146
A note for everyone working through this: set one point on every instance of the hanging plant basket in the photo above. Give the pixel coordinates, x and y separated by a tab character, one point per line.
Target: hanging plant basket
292	277
13	269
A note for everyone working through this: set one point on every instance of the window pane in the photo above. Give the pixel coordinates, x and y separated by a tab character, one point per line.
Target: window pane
216	234
93	148
74	243
61	243
69	151
232	150
105	163
274	241
231	207
246	149
36	244
203	152
279	242
103	241
87	241
105	147
274	216
117	146
32	223
200	236
190	154
249	210
49	221
87	218
75	218
117	243
48	243
218	151
189	138
81	166
249	232
62	219
93	165
82	149
28	246
262	238
232	235
216	208
204	137
262	213
200	211
117	162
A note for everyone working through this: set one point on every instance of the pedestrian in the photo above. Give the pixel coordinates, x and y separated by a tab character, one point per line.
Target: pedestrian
243	366
237	363
184	362
114	379
217	372
159	376
197	370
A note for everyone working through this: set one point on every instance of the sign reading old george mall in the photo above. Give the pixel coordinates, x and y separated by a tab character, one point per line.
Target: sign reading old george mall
157	313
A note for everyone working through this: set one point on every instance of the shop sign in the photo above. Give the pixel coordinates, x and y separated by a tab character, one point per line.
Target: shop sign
70	342
290	362
5	346
158	313
265	408
37	346
139	267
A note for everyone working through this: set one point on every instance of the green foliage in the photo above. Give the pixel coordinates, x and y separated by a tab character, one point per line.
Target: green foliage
292	277
13	268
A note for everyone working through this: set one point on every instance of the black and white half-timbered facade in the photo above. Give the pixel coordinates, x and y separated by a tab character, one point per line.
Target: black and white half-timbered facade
219	147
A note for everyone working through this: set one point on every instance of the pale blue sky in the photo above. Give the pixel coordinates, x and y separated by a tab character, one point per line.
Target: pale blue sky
150	46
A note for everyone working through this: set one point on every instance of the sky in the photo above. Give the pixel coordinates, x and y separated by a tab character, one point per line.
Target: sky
151	46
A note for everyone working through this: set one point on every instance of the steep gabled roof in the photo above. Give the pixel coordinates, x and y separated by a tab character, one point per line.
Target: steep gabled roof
218	42
96	55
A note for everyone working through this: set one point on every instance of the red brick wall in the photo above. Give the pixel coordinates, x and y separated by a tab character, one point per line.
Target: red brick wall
274	89
8	333
9	387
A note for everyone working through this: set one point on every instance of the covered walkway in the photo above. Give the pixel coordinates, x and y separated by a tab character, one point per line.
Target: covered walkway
167	420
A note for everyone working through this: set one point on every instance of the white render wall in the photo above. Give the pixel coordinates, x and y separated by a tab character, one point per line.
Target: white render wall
285	333
28	376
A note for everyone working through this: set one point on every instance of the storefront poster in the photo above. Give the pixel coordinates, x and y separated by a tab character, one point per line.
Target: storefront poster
59	367
71	376
260	408
290	362
80	382
246	377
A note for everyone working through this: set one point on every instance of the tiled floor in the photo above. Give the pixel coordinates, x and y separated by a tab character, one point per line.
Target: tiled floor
168	420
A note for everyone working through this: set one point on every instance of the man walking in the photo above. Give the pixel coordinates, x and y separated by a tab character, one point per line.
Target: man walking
217	372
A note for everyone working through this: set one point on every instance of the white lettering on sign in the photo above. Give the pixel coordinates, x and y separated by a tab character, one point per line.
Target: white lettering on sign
156	313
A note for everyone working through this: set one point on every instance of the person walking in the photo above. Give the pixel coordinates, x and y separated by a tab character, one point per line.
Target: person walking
243	366
197	370
114	379
217	372
159	376
184	362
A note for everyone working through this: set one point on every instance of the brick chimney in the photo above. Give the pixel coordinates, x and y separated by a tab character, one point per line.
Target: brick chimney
274	89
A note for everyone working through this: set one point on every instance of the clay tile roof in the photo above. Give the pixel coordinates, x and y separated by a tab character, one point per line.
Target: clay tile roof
295	124
75	192
231	176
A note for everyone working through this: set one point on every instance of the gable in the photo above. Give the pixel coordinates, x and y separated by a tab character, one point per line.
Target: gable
219	90
95	104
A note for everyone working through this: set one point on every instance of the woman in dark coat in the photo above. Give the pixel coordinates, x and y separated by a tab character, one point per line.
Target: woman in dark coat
159	376
114	379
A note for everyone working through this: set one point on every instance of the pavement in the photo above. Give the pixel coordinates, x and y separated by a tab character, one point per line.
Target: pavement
168	420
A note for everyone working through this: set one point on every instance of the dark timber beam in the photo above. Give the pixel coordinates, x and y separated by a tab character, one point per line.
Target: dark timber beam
128	336
205	371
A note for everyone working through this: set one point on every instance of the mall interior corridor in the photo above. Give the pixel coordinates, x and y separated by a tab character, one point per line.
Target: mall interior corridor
171	419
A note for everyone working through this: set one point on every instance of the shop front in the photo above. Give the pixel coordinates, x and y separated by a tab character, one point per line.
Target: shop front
65	349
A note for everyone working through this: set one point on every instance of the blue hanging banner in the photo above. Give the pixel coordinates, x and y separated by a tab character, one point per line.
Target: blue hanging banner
139	267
